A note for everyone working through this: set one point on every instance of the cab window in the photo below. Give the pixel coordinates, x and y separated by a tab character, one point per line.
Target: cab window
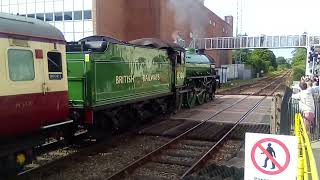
54	62
54	65
21	65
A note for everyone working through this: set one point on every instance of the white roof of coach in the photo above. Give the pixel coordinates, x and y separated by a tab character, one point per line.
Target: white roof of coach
12	25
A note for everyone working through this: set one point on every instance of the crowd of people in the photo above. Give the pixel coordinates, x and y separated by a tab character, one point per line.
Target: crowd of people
309	90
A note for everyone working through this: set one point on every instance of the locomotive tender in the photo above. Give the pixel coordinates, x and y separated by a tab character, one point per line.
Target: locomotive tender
51	87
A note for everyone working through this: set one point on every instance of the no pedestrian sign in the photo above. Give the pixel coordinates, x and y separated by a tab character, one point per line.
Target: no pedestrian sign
270	157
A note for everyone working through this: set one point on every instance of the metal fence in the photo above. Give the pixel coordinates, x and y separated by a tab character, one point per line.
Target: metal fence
293	108
307	167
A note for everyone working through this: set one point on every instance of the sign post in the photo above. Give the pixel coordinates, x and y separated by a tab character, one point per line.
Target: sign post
270	157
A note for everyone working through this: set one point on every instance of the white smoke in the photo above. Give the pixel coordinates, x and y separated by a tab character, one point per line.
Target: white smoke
191	12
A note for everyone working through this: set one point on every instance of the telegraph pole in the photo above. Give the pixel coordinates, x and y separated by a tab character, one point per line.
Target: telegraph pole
239	29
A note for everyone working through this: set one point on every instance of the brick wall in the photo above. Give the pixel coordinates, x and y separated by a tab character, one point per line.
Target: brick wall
134	19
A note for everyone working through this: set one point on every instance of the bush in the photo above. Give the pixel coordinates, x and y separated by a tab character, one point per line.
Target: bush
298	72
271	69
282	67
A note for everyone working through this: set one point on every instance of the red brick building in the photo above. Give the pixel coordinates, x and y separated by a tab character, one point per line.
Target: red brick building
165	19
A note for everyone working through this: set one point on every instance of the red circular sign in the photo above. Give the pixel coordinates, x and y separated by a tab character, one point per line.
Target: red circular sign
280	167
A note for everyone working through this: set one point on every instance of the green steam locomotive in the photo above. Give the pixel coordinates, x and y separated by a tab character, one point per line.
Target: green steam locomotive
111	82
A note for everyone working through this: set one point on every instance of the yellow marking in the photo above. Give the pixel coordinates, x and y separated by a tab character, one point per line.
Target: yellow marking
307	165
21	159
87	58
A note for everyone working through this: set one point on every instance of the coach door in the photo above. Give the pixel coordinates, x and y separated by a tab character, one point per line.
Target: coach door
55	85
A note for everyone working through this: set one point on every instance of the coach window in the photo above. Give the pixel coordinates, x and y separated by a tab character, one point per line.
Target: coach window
21	65
54	62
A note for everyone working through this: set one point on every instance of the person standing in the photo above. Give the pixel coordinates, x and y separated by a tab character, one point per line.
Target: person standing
306	105
315	87
309	86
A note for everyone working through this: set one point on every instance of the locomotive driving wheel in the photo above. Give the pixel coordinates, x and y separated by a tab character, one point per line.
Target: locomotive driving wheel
201	97
190	98
179	101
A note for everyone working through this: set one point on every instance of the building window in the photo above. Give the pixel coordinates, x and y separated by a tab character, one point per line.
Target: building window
87	14
214	24
23	8
21	65
40	7
88	26
54	62
13	9
40	16
222	29
77	15
31	15
31	7
68	26
49	16
67	16
58	16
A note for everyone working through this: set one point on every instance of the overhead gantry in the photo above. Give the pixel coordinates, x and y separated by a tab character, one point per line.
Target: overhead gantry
262	42
255	42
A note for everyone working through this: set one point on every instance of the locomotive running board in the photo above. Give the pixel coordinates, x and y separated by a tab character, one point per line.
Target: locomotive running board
55	125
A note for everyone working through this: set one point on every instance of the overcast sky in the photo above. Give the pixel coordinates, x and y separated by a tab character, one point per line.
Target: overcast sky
272	17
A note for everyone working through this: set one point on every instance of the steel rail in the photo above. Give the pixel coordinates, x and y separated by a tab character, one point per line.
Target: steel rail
248	86
139	161
126	170
207	155
274	89
131	167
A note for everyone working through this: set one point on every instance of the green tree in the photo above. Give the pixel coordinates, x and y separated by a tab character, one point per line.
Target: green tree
261	59
298	72
281	60
245	55
257	62
283	63
299	57
299	63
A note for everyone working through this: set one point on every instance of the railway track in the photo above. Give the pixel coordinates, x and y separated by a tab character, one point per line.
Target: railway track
55	153
192	149
270	83
188	150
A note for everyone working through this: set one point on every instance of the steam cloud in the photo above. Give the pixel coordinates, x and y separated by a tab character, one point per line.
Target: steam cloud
190	12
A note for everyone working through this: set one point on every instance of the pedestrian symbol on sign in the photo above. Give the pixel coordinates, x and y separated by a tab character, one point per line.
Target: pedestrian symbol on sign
270	152
279	164
269	156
